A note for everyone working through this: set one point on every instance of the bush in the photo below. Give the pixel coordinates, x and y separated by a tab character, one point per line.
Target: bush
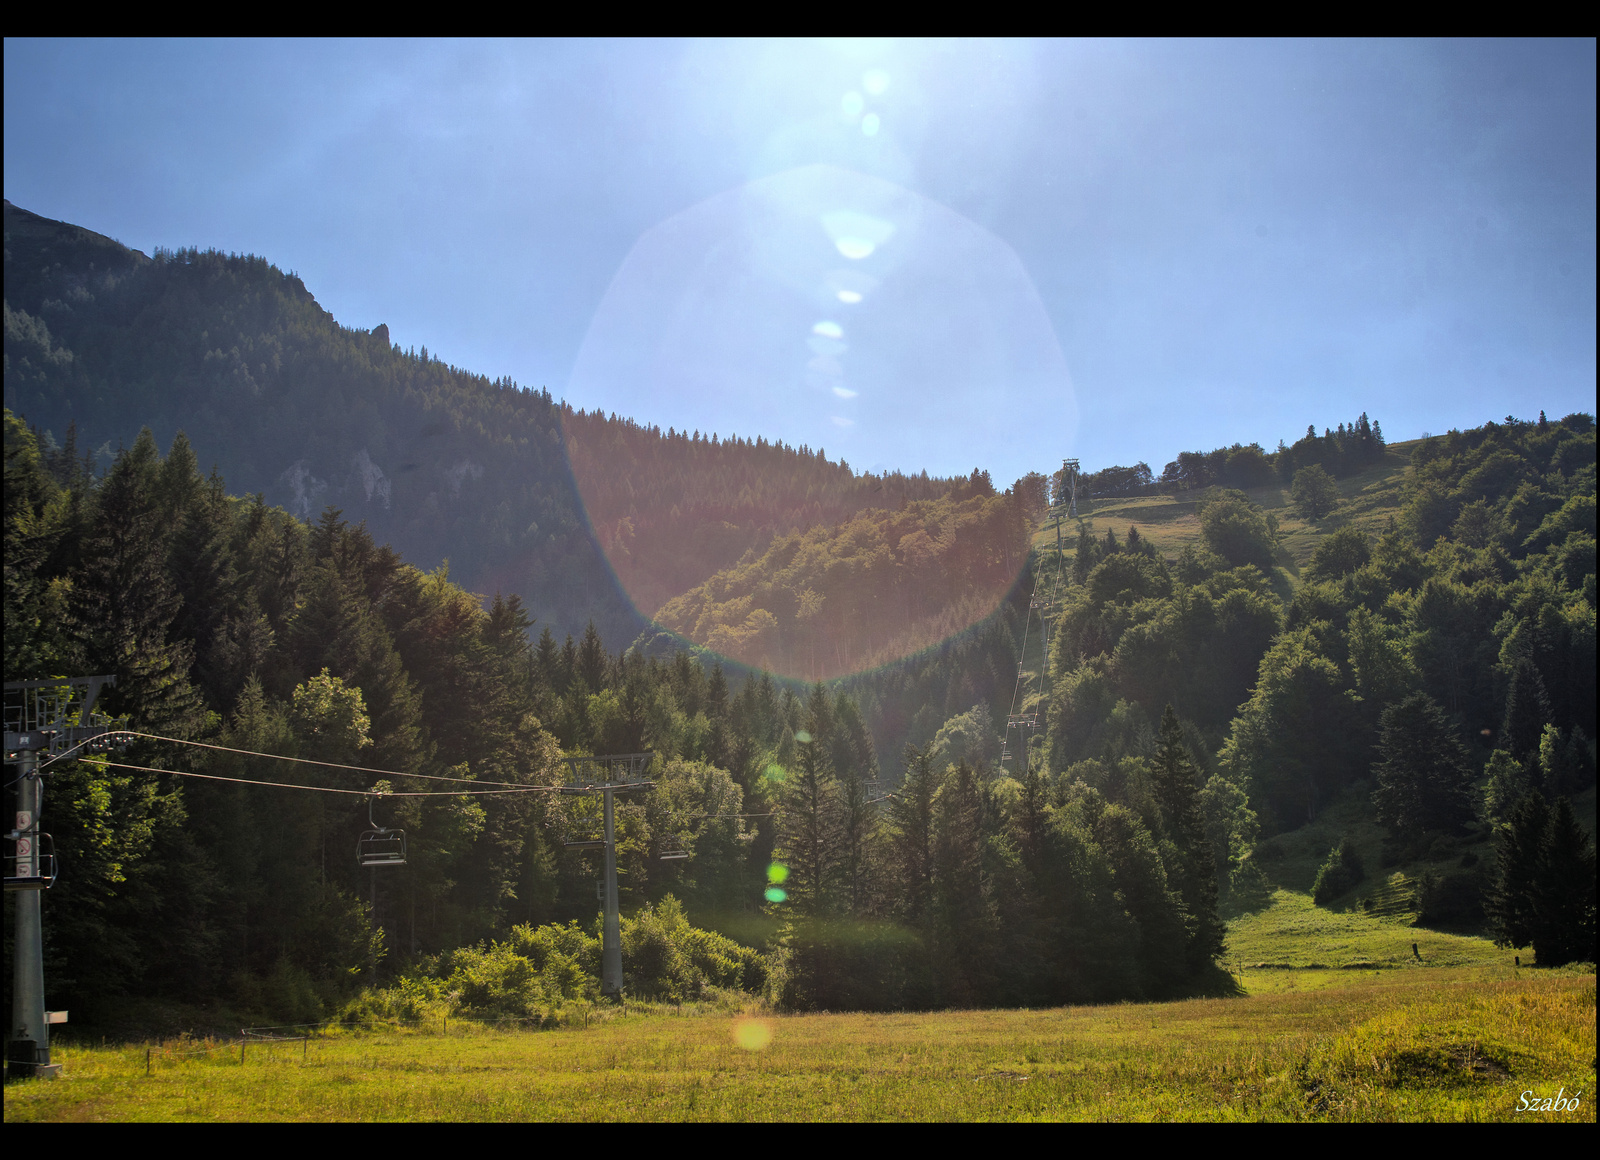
664	957
1339	874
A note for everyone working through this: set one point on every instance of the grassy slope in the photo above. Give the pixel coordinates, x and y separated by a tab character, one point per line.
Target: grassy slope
1172	523
1429	1043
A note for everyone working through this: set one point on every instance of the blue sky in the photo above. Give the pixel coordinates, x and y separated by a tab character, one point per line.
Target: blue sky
1114	250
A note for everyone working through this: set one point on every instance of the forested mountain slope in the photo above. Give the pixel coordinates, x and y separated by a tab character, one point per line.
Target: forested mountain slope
871	590
101	341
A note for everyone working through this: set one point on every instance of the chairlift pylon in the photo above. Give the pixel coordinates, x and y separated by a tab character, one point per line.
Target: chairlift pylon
380	845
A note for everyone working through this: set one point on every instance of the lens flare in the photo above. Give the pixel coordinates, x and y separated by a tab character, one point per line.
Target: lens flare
857	235
776	894
752	1034
777	872
875	81
729	318
870	124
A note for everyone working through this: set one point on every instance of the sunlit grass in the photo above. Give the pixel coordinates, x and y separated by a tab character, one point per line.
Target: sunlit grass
1171	522
1426	1043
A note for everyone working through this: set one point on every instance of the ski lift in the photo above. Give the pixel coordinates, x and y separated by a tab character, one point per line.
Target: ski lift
672	848
381	845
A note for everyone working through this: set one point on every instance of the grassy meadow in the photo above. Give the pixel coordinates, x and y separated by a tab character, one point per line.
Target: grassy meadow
1172	522
1336	1020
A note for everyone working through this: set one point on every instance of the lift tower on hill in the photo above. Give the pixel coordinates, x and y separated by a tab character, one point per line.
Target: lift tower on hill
55	718
1069	486
607	776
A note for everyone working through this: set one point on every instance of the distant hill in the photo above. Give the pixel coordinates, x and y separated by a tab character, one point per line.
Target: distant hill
871	590
102	340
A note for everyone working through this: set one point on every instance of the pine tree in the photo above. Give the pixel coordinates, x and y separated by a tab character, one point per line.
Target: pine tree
123	602
1527	711
856	766
1423	773
1564	891
1544	890
592	663
1512	902
812	838
1085	558
911	813
965	931
1194	878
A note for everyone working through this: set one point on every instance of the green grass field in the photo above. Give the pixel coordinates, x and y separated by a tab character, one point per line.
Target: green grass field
1172	523
1373	1034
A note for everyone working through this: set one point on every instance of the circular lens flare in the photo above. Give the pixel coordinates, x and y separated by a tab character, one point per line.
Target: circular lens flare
728	318
752	1034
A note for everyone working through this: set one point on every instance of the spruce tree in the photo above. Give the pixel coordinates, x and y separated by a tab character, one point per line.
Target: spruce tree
1512	903
1564	891
123	602
911	814
591	660
1194	877
1527	711
965	931
1423	772
812	838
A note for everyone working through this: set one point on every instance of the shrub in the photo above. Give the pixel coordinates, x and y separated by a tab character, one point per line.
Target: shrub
1339	874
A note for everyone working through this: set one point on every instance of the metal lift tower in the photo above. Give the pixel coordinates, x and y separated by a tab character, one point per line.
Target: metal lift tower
1069	484
53	718
607	776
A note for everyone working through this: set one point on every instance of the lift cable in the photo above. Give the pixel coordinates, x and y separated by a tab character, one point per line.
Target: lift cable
366	793
1017	691
281	757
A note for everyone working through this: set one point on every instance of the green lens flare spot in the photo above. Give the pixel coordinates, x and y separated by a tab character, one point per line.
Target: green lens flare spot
776	894
802	736
777	872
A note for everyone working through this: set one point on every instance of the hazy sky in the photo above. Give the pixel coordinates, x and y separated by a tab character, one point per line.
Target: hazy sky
914	254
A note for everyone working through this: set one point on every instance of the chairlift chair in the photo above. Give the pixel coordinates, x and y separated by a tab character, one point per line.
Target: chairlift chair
381	845
672	848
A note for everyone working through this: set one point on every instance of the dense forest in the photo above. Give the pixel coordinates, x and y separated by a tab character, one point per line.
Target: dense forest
1191	712
836	600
